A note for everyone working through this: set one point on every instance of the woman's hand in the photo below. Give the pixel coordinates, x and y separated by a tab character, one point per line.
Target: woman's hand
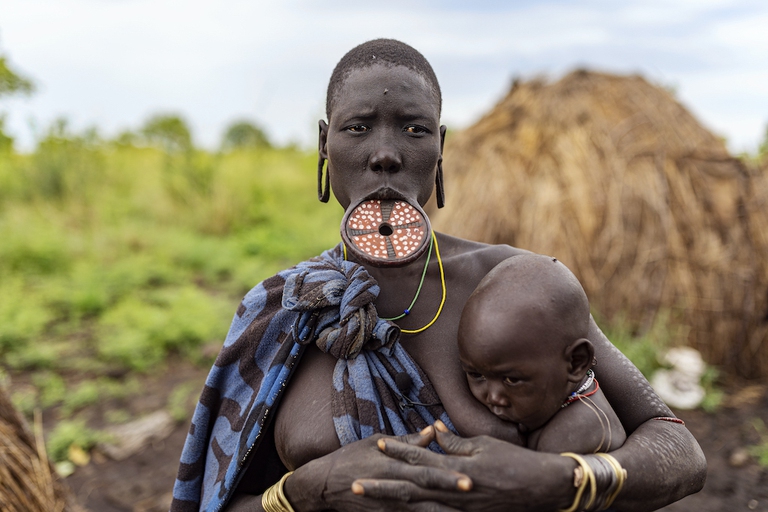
327	482
503	476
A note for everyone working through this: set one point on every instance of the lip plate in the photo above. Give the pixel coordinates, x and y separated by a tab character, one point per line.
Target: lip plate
420	225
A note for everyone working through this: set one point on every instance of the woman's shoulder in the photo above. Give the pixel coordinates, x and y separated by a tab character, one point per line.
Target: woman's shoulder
482	254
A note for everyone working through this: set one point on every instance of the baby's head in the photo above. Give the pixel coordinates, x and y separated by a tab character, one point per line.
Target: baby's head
522	339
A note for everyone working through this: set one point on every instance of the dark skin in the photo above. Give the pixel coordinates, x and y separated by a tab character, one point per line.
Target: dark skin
522	359
378	142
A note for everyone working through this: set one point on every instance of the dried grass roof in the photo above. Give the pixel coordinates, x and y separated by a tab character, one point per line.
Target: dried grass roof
27	480
617	179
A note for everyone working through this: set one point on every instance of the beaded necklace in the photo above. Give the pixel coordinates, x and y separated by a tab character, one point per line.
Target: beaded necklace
407	310
579	393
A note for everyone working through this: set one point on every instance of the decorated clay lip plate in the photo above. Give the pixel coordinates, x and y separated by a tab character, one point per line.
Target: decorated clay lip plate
386	232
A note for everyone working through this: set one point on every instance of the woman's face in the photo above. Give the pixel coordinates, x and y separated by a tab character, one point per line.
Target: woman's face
384	138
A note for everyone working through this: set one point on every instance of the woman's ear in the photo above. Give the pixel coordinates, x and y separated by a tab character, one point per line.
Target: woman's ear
323	192
439	183
579	355
322	140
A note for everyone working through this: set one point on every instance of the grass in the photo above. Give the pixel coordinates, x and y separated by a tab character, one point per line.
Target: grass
115	257
760	450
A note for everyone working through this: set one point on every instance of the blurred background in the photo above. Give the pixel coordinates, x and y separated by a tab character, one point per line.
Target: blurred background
156	162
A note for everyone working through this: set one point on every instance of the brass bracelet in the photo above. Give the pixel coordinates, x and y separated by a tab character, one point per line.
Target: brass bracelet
605	478
621	477
274	500
583	476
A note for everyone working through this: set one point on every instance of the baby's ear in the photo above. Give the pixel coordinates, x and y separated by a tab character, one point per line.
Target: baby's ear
579	354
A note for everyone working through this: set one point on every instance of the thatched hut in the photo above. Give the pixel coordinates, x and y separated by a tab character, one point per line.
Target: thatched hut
618	180
27	480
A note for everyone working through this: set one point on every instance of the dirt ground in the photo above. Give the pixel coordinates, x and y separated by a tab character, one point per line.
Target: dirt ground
143	482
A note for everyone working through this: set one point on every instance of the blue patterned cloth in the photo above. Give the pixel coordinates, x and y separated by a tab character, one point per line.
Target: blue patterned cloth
328	301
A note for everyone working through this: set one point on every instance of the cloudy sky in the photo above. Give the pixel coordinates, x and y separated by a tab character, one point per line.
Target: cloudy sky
113	63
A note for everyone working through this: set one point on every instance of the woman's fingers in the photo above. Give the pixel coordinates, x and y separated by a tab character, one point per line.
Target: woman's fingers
414	455
421	439
402	491
453	444
424	477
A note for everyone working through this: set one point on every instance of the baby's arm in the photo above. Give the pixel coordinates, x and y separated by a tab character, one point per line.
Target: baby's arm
586	426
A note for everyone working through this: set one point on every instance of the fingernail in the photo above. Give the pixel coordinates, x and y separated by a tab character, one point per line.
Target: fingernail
439	425
426	431
381	444
464	484
357	489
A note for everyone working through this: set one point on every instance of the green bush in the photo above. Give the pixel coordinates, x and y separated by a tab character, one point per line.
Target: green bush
643	350
140	332
68	433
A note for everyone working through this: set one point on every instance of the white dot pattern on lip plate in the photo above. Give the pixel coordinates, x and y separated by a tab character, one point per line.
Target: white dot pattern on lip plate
409	229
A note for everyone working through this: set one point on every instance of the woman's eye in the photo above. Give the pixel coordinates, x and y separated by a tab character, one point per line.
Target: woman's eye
512	380
415	129
358	128
475	375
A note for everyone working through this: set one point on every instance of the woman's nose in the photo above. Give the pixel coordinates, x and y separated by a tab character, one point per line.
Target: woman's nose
385	159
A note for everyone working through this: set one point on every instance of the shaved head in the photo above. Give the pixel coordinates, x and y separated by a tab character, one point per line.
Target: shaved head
382	52
532	288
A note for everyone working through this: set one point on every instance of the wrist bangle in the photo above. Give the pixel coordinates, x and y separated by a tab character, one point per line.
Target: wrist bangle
583	477
617	484
274	500
604	476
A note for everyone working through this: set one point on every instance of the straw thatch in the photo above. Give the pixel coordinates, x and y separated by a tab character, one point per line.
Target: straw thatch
27	482
614	177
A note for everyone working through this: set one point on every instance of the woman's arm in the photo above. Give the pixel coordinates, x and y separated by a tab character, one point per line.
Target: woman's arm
506	477
663	461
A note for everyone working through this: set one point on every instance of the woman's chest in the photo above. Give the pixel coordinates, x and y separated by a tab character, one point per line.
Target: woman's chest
304	428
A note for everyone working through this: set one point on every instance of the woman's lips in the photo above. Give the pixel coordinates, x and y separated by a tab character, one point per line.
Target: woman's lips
386	193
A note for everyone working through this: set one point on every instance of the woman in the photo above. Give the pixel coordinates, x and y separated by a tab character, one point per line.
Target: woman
383	143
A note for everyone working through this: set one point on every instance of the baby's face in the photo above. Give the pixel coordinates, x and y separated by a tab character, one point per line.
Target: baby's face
521	377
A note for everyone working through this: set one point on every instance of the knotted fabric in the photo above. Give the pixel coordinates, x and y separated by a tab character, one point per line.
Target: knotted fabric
330	302
335	300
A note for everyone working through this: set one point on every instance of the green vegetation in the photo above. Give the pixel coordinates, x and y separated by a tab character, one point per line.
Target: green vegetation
68	434
244	134
760	450
646	350
116	256
762	151
12	82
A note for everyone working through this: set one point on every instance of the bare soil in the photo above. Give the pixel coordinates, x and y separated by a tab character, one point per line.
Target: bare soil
143	482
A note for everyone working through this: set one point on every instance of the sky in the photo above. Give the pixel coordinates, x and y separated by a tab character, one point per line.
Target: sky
114	63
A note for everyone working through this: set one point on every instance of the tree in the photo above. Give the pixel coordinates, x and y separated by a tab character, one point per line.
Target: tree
763	150
244	134
168	130
11	82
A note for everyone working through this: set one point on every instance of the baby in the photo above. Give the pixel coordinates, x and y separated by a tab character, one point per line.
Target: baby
523	346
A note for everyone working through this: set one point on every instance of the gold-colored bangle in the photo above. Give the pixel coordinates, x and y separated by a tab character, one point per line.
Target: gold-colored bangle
583	477
621	477
274	499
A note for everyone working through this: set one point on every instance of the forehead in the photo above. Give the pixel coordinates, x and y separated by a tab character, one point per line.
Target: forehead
384	85
496	335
